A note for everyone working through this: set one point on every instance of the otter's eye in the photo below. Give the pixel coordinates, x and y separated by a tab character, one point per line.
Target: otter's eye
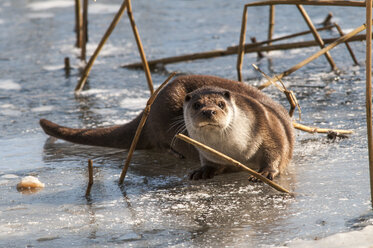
196	105
221	105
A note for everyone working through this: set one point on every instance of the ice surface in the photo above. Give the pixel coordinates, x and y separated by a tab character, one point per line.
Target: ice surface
158	206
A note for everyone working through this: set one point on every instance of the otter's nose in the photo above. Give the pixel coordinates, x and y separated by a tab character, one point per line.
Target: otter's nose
209	113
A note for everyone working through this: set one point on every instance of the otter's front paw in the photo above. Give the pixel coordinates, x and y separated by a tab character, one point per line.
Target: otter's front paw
205	172
268	173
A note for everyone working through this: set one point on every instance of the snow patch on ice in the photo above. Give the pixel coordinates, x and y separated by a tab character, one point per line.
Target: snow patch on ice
10	112
8	84
99	8
134	103
362	238
41	15
42	109
104	111
53	67
44	5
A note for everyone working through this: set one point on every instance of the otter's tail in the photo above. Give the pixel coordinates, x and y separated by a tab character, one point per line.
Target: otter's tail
119	136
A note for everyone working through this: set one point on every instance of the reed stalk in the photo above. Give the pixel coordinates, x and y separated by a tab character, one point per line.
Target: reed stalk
369	90
92	59
84	31
248	48
285	37
327	20
90	178
140	47
315	55
67	67
290	96
271	22
347	45
253	40
319	130
345	3
144	117
241	44
233	162
316	35
78	23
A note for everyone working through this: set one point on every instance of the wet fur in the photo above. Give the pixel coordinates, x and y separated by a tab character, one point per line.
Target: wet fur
261	134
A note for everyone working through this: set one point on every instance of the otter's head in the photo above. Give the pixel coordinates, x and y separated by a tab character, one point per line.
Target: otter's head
208	109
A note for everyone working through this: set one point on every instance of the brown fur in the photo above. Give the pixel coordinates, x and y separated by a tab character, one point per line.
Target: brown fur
271	125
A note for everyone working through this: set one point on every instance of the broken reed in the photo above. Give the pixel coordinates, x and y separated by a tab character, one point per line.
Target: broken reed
298	3
144	117
92	59
78	24
316	35
84	33
233	162
90	178
315	55
140	47
320	130
88	67
347	44
248	48
368	98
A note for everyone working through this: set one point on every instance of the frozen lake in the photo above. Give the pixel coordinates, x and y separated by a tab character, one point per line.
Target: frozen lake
158	206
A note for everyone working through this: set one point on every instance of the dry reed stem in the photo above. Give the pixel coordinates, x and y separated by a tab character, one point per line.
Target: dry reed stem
92	59
240	52
78	23
344	3
347	45
319	130
140	47
67	67
248	48
316	35
316	55
84	31
327	20
144	117
271	23
290	96
285	37
90	178
233	162
259	53
368	97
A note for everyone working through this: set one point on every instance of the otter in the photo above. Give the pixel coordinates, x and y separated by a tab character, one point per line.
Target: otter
231	117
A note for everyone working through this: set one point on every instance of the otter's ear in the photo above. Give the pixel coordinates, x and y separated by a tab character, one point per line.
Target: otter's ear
227	94
187	98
